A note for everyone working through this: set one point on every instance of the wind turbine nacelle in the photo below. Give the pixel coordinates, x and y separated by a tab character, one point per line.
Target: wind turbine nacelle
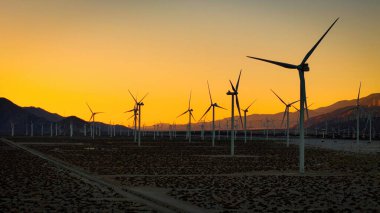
304	67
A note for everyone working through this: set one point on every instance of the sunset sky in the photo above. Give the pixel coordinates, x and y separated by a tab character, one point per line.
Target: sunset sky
58	55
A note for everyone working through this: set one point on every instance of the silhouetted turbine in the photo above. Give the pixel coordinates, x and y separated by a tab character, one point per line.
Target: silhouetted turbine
302	68
245	121
234	95
93	120
212	106
138	105
190	111
135	113
286	113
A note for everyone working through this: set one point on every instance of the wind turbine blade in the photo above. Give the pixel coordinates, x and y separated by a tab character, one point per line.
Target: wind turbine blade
279	97
238	108
189	101
238	81
182	114
133	97
92	115
143	97
250	105
130	110
295	108
221	107
130	117
208	109
281	64
209	92
316	45
233	88
192	115
294	102
89	108
283	117
357	100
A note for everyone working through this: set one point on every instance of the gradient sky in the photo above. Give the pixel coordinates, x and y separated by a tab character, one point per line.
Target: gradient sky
58	54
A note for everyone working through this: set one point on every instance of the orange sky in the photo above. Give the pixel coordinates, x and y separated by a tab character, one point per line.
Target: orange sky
58	55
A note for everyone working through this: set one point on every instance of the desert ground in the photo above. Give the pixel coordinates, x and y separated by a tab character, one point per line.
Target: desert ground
114	174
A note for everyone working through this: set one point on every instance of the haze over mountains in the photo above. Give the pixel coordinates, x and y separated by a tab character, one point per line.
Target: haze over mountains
337	115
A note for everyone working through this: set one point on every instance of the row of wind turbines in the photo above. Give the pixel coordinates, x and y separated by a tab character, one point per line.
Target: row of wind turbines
301	68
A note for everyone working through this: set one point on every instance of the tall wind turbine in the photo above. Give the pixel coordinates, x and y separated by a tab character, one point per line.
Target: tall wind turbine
234	95
245	121
302	68
286	113
93	120
138	105
190	111
212	106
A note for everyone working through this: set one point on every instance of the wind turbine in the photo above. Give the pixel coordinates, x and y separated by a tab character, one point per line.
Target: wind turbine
138	105
245	121
234	95
93	120
286	113
302	68
190	111
357	107
135	113
212	106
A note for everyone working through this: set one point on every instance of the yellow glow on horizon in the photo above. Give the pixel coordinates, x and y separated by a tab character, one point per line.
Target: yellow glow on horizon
59	59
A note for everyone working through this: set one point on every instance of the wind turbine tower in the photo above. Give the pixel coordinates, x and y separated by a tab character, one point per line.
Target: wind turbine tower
138	104
245	121
93	114
212	106
286	114
234	95
302	68
190	111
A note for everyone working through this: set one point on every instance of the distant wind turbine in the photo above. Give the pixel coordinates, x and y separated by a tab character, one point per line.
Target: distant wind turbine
135	113
302	68
138	104
357	108
212	106
234	95
190	111
245	121
93	120
286	113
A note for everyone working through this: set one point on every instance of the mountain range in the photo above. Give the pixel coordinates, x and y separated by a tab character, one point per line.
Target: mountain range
334	114
43	121
339	115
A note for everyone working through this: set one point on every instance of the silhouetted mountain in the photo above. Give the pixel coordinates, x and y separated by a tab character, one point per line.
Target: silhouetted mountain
11	113
53	117
344	119
43	121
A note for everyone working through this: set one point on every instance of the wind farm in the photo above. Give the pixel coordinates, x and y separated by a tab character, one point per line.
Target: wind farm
250	143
